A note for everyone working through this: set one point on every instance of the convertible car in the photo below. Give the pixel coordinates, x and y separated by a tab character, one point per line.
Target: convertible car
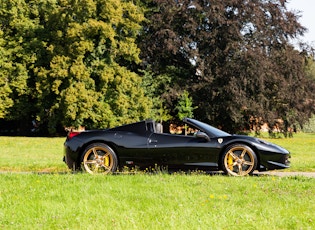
197	146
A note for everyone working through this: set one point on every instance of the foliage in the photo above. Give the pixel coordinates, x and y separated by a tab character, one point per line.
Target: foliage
101	63
185	106
309	68
234	57
154	89
309	127
16	44
71	60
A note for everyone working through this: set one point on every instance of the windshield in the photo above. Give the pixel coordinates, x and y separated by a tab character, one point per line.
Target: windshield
210	130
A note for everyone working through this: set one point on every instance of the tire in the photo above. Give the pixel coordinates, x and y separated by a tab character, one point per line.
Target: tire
99	158
239	160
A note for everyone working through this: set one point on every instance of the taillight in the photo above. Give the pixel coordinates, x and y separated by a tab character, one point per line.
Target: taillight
73	134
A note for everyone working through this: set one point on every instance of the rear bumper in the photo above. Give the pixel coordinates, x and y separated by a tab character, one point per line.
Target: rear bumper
71	155
70	162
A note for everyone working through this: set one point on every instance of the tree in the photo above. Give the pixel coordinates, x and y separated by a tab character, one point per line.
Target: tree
310	67
154	87
18	55
184	107
234	57
72	62
5	101
88	70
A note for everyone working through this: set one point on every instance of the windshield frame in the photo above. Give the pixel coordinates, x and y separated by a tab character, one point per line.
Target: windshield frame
208	129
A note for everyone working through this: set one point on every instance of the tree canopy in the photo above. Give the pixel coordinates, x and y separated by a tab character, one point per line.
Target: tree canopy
233	57
68	62
102	63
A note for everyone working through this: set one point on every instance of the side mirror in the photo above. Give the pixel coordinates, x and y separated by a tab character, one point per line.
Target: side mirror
202	135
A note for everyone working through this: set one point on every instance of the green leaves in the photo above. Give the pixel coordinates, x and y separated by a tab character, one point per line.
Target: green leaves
233	57
71	62
185	106
71	58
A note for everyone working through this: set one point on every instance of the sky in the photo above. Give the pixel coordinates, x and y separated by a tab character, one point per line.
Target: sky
307	11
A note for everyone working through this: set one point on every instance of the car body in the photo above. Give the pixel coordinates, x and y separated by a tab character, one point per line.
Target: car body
143	145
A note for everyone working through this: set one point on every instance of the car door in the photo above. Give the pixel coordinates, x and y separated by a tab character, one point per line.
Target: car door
182	151
133	149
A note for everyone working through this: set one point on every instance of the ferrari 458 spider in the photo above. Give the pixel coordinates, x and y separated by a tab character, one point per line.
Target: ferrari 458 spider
197	146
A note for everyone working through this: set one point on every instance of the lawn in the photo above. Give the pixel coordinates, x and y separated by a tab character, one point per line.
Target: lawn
32	154
45	195
162	201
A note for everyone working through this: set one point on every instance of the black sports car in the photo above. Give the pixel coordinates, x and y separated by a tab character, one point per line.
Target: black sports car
143	145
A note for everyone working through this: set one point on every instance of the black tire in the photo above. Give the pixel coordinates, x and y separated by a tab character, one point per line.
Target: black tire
239	160
99	158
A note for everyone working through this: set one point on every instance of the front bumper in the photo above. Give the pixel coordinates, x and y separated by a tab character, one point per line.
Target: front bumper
275	161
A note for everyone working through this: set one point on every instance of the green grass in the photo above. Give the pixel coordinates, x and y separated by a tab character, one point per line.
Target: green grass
32	154
83	201
32	199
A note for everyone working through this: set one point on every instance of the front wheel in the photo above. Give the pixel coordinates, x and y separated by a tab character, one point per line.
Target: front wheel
99	158
239	160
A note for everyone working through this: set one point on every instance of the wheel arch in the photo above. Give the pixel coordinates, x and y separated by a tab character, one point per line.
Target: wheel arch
240	143
110	144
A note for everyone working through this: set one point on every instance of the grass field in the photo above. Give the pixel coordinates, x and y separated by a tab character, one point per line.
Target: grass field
83	201
61	200
32	154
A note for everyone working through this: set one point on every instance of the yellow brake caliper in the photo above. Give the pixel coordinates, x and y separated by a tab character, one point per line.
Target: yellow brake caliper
230	162
106	161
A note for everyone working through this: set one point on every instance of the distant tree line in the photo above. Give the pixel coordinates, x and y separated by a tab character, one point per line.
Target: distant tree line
103	63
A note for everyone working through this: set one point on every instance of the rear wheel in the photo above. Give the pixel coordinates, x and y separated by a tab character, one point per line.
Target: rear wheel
99	158
239	160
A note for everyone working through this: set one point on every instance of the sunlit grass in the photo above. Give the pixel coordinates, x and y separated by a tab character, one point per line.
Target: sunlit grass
61	200
161	201
31	154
